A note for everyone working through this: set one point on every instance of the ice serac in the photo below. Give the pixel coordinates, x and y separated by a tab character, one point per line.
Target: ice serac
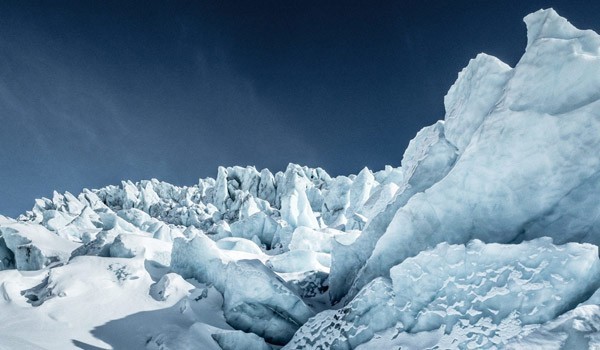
360	191
472	97
335	202
31	247
266	187
295	206
428	158
220	193
255	299
556	52
530	169
460	296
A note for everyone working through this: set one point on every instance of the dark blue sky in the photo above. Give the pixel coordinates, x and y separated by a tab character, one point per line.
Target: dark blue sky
93	92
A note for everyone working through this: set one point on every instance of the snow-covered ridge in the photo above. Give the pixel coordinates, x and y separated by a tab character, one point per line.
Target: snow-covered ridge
486	236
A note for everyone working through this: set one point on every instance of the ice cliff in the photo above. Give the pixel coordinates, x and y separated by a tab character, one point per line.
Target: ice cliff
485	236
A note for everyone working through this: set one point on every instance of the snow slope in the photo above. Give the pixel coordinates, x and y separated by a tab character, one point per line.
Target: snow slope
485	237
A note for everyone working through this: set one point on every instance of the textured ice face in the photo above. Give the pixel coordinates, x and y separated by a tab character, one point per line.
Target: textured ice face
576	329
461	295
371	311
536	279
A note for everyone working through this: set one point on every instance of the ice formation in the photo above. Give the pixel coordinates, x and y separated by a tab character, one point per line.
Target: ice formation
517	178
485	236
255	299
461	296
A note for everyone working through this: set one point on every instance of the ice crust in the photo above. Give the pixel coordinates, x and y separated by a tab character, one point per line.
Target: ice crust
485	237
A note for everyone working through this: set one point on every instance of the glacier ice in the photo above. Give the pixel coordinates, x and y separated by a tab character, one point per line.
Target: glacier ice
524	168
479	287
576	329
315	240
255	298
240	340
171	285
427	159
295	206
485	236
131	245
32	247
239	244
372	310
473	96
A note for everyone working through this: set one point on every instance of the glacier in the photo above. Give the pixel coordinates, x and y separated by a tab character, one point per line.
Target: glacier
485	236
463	294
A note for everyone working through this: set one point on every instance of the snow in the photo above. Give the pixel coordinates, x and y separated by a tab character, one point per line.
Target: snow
485	236
65	291
239	244
299	260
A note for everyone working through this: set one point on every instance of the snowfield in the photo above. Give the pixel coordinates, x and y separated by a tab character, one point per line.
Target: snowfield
485	237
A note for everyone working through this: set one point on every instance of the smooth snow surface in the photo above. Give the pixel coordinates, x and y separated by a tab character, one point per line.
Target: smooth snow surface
485	237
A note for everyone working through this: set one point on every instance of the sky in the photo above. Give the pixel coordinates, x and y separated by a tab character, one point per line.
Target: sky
95	92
